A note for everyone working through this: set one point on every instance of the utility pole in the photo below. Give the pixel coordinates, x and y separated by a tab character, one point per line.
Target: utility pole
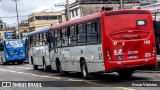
68	13
67	9
17	19
121	4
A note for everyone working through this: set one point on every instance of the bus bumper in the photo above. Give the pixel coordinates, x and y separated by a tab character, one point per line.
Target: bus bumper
131	64
16	59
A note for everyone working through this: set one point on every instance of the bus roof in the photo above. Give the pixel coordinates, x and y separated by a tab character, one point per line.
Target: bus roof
88	17
38	31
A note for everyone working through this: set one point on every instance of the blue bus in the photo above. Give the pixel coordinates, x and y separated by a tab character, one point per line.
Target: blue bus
12	50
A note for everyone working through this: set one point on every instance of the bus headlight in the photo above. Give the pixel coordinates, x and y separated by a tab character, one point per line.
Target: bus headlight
23	54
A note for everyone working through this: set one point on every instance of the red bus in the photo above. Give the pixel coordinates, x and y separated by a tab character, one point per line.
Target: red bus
110	41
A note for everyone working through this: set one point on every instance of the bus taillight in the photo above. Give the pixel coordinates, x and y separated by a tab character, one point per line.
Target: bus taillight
108	55
153	51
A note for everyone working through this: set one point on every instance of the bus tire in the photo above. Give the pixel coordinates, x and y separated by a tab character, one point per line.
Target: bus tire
35	67
125	73
59	68
84	70
20	62
45	67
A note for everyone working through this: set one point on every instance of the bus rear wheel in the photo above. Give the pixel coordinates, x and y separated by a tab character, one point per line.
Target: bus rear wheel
84	70
125	73
59	68
35	67
45	67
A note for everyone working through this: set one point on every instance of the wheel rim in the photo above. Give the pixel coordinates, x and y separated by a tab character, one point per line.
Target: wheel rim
84	71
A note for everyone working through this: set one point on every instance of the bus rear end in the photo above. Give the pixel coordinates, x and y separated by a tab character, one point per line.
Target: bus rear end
14	50
128	40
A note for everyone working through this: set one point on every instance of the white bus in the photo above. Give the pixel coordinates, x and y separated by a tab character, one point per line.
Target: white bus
38	53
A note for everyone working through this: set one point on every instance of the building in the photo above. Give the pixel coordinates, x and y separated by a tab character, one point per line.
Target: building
147	2
82	8
6	29
155	10
24	28
38	20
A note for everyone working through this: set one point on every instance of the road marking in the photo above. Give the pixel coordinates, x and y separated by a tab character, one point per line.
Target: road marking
24	67
74	80
20	67
44	76
107	85
101	84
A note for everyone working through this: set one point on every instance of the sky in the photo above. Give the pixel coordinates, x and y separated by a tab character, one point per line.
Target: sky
25	7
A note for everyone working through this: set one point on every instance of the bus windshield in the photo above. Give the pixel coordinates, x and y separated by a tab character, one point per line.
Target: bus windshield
12	43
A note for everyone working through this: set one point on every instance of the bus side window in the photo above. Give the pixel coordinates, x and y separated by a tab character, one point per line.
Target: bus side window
30	41
98	29
51	39
57	38
37	40
34	41
81	34
91	33
72	36
44	38
64	37
41	39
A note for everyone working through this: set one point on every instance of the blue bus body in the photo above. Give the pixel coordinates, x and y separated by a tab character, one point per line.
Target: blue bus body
13	50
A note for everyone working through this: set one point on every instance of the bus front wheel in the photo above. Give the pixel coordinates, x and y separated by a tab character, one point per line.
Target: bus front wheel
84	70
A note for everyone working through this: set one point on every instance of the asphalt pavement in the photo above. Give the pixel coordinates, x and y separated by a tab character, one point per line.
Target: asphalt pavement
53	80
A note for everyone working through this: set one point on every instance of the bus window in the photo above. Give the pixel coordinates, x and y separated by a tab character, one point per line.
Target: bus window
98	30
72	36
44	40
41	39
37	40
34	41
81	34
57	38
30	40
51	39
91	32
64	37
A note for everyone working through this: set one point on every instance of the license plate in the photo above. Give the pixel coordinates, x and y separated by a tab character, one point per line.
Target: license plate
133	57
